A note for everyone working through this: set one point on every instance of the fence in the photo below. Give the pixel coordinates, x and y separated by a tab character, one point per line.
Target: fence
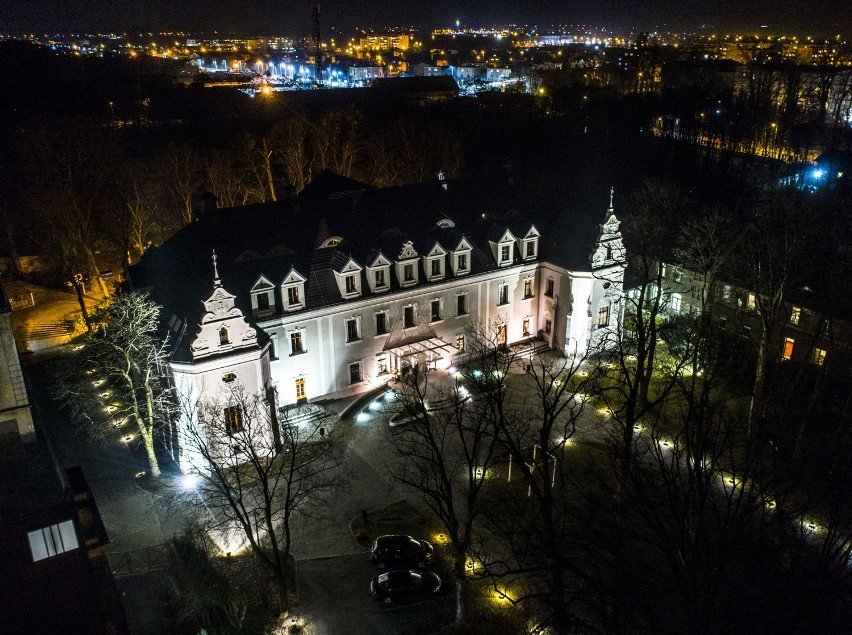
142	560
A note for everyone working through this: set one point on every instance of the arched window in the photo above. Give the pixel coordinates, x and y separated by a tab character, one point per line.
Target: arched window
224	337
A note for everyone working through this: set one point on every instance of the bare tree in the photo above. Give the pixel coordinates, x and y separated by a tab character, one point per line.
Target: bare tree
185	170
255	482
127	364
445	455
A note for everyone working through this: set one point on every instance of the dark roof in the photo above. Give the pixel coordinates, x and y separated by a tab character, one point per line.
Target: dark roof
271	239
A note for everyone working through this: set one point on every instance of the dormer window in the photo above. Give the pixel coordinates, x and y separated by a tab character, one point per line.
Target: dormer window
505	254
293	291
349	279
263	298
408	275
530	249
224	336
436	267
334	241
528	245
460	258
378	274
379	279
407	265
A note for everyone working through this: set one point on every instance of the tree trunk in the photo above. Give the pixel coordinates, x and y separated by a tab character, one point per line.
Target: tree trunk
81	300
756	407
153	464
283	590
267	166
96	273
460	572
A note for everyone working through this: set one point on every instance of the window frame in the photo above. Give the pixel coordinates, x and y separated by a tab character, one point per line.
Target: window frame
787	351
529	293
405	321
461	302
503	294
297	334
603	316
234	421
436	316
356	320
550	287
360	373
385	330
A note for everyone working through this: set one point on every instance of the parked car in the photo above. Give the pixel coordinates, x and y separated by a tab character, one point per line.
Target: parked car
405	551
395	585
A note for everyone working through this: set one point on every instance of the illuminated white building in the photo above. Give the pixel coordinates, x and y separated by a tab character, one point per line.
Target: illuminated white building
334	292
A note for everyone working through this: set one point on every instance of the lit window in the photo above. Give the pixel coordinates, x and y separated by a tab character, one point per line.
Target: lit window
436	310
355	373
53	540
381	323
548	290
819	356
409	273
461	262
795	315
460	343
436	267
382	364
233	419
603	316
788	348
350	284
296	345
502	335
528	288
380	278
300	389
503	294
461	304
352	331
224	338
229	378
751	302
293	295
408	317
526	327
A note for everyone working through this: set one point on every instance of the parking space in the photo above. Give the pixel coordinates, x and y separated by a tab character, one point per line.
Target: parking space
335	598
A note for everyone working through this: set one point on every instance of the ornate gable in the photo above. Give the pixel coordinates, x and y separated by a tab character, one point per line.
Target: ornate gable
223	327
408	252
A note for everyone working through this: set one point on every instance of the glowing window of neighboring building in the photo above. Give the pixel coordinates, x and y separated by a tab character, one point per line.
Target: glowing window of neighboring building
819	356
528	288
795	315
603	316
526	327
460	343
53	540
751	302
292	295
229	378
787	353
300	389
382	364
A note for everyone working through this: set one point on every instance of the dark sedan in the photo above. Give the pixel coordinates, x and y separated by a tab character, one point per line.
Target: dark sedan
397	585
404	551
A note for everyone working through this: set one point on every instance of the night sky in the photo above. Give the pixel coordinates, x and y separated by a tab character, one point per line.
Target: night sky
822	17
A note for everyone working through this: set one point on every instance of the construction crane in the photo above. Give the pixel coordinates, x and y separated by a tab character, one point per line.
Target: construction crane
315	15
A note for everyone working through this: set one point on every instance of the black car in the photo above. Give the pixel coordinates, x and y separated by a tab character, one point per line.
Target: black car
395	585
401	551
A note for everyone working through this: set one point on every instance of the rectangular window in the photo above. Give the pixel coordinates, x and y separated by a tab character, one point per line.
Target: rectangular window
676	275
262	301
752	302
787	353
676	302
505	252
355	373
382	364
603	316
296	345
819	356
409	273
460	343
502	335
352	331
408	317
300	389
293	295
548	289
795	315
503	294
53	540
436	267
381	323
350	284
461	304
526	327
528	288
530	249
436	310
233	419
380	278
462	262
726	292
548	325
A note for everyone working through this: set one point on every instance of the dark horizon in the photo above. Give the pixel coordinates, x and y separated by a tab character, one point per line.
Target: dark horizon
823	18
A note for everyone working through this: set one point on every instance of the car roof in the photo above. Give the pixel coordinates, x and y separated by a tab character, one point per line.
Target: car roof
394	541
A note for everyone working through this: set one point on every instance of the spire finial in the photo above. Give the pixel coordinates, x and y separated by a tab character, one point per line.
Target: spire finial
215	267
611	195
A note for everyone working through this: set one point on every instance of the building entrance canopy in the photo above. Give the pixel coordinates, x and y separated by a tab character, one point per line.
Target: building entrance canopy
428	349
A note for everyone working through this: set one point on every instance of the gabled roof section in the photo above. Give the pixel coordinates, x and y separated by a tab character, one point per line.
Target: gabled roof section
350	267
377	259
437	250
262	284
293	277
499	233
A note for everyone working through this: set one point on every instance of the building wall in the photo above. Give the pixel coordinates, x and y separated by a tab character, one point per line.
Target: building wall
15	414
